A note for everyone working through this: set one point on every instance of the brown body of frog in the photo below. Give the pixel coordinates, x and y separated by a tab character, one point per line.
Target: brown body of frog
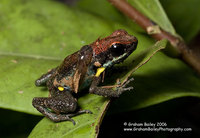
84	68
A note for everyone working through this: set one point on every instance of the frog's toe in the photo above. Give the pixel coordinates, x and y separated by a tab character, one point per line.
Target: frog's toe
81	112
127	82
62	117
72	120
123	87
78	113
124	83
87	111
127	89
67	117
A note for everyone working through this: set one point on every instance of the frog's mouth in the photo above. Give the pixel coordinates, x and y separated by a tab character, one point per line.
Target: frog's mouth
125	52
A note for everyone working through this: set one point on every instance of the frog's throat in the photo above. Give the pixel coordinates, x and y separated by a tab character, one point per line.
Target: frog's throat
114	61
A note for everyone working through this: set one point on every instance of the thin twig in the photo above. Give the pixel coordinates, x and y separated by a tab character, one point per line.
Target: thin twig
177	43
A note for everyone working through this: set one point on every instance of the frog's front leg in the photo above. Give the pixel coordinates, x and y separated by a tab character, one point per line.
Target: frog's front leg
45	77
108	92
62	107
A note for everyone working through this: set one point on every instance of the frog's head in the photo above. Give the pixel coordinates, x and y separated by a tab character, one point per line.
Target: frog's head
114	48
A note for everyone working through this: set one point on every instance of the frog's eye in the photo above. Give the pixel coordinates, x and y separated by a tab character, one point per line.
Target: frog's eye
61	88
117	49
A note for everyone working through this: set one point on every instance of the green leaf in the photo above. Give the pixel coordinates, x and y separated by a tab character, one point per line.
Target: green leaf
107	11
185	16
154	11
19	74
31	28
102	8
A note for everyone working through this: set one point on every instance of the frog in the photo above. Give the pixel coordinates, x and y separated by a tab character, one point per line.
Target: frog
84	69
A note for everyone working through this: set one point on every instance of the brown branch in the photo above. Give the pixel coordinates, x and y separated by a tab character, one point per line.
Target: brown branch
177	43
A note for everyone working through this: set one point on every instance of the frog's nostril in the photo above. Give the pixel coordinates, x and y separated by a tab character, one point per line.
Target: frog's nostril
134	45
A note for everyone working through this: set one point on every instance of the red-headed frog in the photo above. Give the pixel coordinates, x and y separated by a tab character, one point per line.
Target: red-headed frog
83	69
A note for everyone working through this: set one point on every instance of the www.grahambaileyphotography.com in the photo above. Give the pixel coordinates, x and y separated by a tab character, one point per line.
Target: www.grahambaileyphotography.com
178	129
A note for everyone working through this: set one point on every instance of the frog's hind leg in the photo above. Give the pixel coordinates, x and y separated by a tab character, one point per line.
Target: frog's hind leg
63	107
44	78
52	116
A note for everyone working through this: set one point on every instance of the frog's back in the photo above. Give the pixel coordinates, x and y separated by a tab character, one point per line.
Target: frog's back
75	70
68	66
